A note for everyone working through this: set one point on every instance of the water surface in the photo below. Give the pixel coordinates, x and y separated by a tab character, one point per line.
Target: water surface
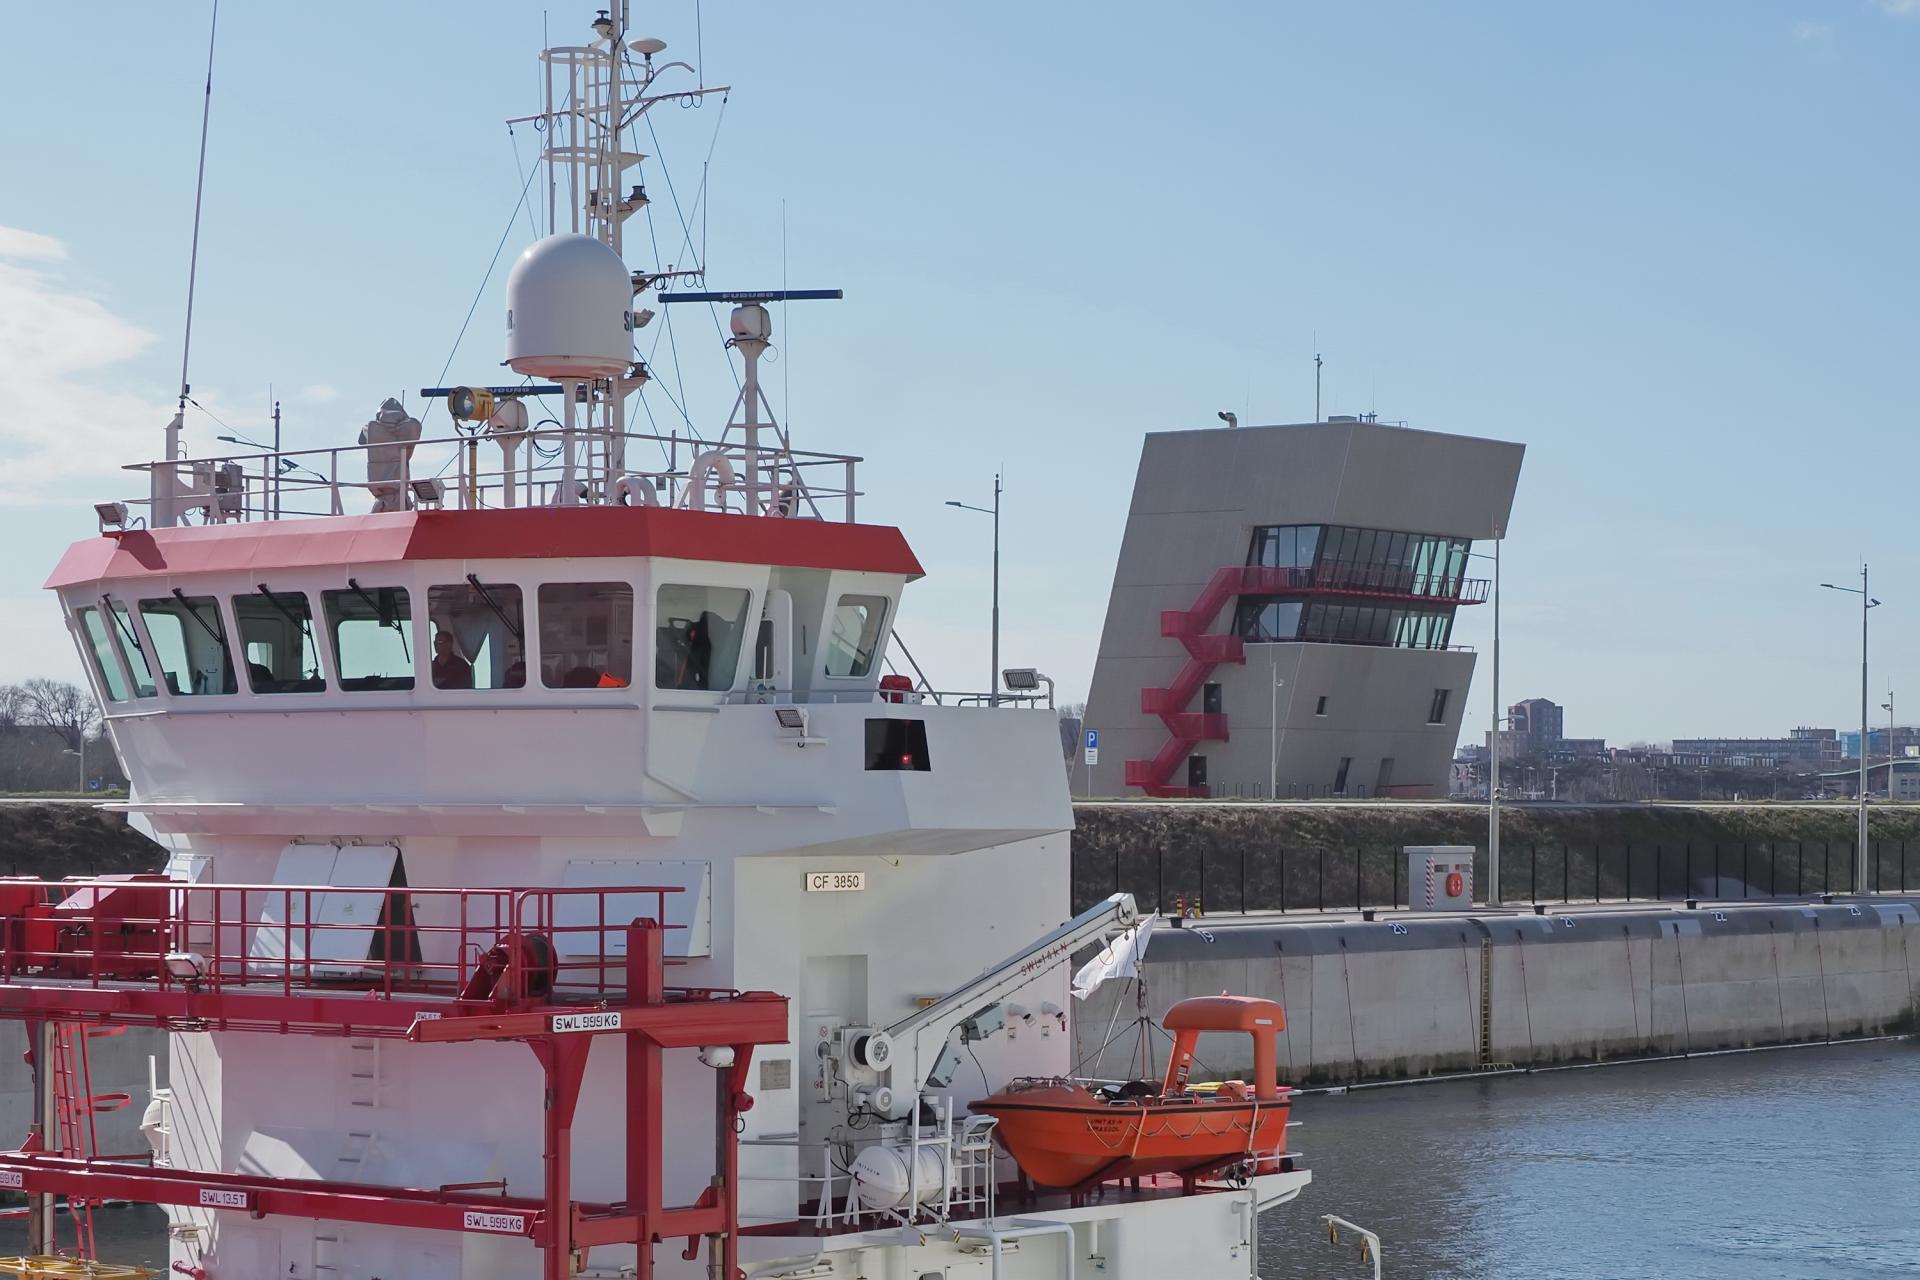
1800	1164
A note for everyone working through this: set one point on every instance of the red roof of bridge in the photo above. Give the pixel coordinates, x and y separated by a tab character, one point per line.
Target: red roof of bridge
517	534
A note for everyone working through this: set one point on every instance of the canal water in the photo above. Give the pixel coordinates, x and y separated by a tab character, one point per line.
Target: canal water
1798	1164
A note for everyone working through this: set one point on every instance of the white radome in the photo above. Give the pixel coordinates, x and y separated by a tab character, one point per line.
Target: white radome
569	310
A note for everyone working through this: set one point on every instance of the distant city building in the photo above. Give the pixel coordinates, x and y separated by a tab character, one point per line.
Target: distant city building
1307	574
1540	722
1537	727
1906	742
1807	750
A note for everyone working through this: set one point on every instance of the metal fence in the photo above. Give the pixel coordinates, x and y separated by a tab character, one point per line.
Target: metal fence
1346	877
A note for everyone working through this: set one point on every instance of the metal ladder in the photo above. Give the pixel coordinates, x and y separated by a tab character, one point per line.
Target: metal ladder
75	1104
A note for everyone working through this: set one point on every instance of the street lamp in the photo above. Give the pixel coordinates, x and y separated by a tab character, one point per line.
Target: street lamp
1866	602
82	753
1887	707
1493	737
1273	745
993	670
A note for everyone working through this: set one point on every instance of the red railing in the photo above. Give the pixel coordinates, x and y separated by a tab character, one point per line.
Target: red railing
498	945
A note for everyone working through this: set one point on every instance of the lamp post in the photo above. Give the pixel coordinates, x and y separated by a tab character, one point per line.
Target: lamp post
1887	707
1273	744
1493	736
1866	602
993	671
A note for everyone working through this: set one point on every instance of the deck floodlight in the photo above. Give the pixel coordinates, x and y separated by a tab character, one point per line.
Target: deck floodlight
429	492
791	718
470	404
113	515
187	966
1027	680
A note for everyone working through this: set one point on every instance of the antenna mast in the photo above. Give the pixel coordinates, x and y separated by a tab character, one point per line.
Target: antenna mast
164	478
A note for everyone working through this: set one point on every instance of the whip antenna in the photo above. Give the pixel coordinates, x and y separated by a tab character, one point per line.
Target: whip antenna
199	191
164	480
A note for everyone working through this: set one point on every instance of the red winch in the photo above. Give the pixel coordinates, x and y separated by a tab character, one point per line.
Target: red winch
95	930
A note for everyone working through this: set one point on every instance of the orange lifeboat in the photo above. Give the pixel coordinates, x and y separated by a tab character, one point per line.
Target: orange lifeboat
1072	1134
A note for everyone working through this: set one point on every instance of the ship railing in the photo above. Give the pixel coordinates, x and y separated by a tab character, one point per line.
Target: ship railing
381	941
764	694
494	470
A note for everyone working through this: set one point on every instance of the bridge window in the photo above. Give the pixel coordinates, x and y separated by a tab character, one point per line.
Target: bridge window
100	646
586	635
485	628
190	644
855	635
1266	618
276	640
697	636
143	686
372	645
1286	546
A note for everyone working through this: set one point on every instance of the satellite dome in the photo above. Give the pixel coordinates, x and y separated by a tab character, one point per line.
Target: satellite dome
569	310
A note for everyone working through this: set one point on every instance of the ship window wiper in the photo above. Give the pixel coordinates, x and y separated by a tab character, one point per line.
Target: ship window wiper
194	613
381	616
127	631
305	624
519	636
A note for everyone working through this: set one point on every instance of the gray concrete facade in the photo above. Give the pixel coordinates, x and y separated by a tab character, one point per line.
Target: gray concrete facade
1410	996
1198	497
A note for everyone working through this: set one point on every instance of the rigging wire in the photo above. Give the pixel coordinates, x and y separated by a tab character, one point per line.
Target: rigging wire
686	228
525	182
492	262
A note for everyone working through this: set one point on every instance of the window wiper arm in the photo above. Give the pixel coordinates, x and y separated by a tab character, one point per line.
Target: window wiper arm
305	624
473	580
125	630
371	603
194	613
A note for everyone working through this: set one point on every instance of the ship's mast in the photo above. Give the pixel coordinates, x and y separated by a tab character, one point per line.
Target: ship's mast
594	95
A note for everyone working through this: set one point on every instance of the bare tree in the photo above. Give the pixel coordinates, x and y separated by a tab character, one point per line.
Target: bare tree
12	699
58	705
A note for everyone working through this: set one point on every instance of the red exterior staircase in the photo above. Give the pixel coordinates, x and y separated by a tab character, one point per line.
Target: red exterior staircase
1187	729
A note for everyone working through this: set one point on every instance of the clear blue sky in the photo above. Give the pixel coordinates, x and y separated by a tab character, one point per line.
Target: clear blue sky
1671	247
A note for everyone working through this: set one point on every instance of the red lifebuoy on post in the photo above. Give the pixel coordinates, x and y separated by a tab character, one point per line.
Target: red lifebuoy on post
1456	884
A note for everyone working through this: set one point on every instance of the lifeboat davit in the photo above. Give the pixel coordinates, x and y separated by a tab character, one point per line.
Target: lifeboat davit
1072	1133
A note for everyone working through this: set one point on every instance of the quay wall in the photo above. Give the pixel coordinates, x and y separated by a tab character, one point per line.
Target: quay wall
1399	998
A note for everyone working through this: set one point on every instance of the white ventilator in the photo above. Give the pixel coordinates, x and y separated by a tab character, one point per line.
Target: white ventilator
389	436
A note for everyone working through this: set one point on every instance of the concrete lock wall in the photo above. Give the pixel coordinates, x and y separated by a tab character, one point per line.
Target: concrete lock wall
117	1064
1392	999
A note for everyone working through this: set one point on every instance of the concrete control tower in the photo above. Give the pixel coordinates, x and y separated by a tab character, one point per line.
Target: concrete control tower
1329	558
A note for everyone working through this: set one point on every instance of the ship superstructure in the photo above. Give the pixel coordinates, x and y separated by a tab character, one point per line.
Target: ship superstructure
561	882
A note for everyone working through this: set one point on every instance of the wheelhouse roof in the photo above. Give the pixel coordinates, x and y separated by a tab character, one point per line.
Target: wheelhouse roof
598	532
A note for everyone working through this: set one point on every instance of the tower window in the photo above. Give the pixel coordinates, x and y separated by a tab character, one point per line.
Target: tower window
1320	707
1437	711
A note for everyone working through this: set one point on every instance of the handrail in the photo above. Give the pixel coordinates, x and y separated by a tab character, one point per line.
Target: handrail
380	942
242	486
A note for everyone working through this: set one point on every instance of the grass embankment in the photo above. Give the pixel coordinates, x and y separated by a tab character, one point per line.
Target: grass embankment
1271	857
55	840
